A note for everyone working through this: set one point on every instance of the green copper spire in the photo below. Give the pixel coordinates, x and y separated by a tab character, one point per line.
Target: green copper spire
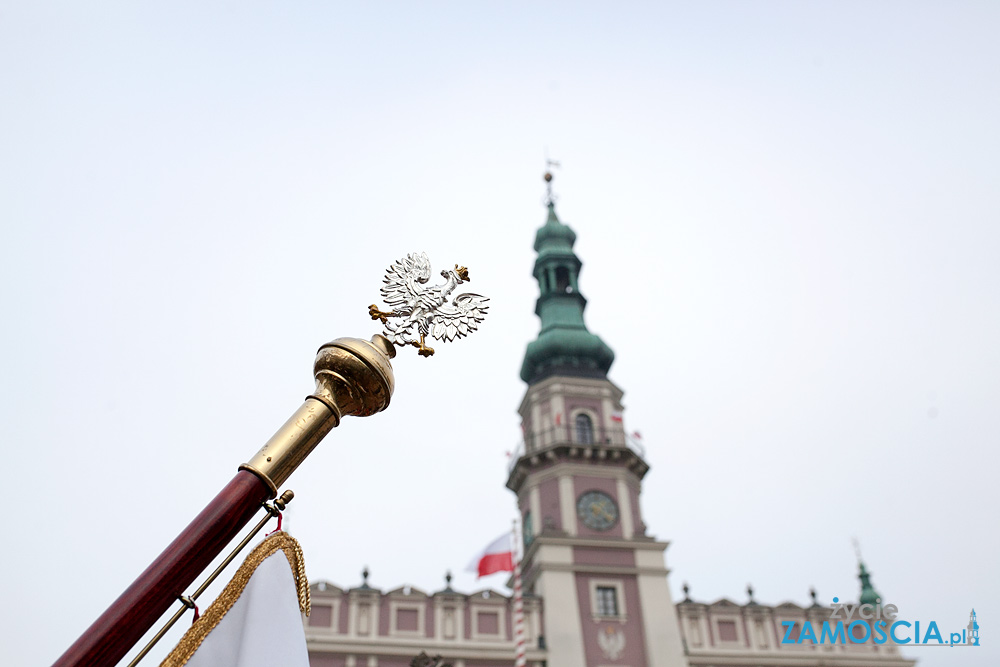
868	593
564	345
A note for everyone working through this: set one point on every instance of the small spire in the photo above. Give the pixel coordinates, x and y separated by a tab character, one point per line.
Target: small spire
364	577
750	594
687	591
868	593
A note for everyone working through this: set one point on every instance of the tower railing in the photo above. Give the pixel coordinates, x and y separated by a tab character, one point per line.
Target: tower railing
568	435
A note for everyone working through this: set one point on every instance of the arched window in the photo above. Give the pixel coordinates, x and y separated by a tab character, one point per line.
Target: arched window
584	429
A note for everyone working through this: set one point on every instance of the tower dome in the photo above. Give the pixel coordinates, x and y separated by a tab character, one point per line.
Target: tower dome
564	345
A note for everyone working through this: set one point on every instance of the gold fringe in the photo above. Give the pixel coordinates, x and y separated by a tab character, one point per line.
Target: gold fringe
196	634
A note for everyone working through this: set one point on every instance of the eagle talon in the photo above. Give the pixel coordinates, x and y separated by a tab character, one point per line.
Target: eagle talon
424	351
377	314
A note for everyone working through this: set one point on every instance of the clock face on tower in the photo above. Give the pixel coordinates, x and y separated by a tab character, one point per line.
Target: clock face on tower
597	510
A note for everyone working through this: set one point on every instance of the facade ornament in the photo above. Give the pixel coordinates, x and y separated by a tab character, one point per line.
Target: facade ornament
612	642
425	311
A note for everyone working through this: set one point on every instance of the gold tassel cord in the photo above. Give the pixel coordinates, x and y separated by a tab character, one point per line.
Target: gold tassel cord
196	634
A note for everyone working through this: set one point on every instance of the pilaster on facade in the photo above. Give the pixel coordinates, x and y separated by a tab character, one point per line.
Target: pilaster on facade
449	617
659	617
364	610
624	496
563	628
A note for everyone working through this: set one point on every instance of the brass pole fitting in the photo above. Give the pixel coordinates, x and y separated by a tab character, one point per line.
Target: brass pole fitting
353	377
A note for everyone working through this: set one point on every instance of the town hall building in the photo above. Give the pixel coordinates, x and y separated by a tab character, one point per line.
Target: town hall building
594	579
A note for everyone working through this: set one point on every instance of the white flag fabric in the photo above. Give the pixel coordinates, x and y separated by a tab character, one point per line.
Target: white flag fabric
257	620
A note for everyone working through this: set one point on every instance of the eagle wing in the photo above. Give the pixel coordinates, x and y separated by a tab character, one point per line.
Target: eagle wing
403	281
459	318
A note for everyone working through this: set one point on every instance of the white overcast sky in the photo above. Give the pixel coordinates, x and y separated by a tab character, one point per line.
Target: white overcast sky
787	214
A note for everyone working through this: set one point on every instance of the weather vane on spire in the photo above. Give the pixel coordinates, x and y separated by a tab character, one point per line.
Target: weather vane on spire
549	197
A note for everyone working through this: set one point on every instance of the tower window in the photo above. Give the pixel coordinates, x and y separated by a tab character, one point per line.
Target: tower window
584	429
562	280
607	601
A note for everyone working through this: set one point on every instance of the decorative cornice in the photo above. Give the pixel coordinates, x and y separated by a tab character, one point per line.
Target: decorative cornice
453	649
562	452
573	386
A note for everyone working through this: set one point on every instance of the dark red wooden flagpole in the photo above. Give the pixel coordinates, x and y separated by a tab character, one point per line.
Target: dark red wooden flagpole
353	377
117	630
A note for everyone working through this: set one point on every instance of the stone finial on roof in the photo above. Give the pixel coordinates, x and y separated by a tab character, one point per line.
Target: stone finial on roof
447	583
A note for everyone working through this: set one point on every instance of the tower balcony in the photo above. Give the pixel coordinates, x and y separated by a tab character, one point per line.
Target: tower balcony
569	434
561	443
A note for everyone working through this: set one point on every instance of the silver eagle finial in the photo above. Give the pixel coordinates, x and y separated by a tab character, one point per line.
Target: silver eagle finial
424	310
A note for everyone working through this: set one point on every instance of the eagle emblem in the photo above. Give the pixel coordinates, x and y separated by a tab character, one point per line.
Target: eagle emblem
424	310
612	642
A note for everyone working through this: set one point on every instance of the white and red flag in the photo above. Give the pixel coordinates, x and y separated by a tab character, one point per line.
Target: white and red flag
617	417
497	557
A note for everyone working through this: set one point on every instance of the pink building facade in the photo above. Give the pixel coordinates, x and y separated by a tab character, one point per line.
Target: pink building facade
595	580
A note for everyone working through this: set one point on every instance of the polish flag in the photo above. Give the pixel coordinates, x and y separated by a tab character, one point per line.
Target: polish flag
617	417
497	557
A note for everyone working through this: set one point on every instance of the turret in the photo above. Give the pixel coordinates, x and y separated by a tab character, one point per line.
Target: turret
564	345
868	593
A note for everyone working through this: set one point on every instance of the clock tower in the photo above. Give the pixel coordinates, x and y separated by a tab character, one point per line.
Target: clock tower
578	479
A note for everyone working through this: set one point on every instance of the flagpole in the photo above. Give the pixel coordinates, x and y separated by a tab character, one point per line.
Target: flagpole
353	377
519	660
